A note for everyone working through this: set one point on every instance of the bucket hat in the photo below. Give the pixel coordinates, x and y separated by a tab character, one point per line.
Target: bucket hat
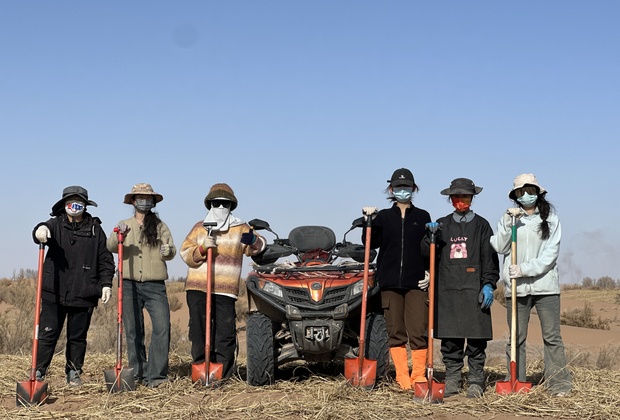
68	192
462	186
402	178
521	181
142	189
221	191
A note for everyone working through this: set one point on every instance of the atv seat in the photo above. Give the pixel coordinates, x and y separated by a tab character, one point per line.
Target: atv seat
314	243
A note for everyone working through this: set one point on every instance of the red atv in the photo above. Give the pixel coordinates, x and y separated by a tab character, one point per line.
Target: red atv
309	309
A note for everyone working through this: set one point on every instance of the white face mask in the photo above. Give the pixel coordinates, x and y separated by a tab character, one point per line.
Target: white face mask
75	208
220	213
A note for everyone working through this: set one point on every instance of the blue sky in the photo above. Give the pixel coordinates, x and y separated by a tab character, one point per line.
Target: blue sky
305	109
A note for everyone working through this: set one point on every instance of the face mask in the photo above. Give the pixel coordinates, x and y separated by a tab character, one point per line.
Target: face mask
527	200
402	194
461	204
220	213
74	208
144	204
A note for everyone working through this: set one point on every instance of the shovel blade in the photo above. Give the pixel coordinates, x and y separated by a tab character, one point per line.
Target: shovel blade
364	375
508	387
434	394
118	381
30	393
201	376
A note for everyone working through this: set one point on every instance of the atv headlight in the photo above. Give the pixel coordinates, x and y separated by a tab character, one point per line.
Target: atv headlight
357	288
272	289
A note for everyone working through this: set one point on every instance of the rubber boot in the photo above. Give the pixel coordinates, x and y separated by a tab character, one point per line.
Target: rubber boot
418	360
401	364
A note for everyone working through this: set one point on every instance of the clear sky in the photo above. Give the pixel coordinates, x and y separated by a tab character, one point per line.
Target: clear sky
306	108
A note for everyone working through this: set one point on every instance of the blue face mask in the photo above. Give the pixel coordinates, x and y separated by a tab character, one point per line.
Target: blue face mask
403	194
527	200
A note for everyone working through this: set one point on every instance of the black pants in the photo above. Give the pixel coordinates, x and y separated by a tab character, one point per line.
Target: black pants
223	329
454	351
52	320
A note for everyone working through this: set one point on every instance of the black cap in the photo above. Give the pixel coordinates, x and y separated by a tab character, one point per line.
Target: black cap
402	178
68	192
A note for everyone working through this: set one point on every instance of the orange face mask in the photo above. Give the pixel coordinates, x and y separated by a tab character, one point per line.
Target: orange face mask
461	204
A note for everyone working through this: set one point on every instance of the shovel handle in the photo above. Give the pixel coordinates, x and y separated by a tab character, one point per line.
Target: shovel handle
513	293
37	313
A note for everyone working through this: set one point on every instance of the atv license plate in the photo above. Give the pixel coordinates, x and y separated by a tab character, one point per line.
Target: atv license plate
317	333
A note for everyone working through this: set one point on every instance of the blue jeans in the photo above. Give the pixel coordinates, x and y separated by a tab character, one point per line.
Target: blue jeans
149	295
556	374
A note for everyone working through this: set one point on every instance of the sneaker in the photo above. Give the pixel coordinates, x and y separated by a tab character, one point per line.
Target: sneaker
474	391
73	378
39	376
452	388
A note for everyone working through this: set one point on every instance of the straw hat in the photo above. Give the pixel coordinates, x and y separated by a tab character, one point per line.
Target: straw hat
521	181
142	189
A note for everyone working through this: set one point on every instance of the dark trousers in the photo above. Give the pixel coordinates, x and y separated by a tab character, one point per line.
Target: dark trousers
454	351
406	316
223	329
52	320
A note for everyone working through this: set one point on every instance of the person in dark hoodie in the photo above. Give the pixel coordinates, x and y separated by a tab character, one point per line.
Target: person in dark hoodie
78	271
467	272
401	273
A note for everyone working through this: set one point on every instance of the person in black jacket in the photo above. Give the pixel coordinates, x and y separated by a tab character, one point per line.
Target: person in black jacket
467	271
402	276
78	270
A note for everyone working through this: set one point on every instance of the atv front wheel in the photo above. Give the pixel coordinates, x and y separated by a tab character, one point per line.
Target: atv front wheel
260	355
377	343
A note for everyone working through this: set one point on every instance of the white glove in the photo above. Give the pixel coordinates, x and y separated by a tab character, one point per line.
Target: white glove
123	228
106	293
208	242
516	211
369	211
423	284
165	250
42	234
514	271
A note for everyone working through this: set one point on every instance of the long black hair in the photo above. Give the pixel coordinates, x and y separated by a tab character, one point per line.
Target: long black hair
149	229
544	208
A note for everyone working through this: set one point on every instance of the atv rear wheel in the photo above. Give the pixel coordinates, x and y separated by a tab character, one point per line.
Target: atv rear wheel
377	343
260	354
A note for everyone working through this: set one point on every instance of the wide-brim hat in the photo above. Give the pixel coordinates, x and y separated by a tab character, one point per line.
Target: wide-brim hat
402	178
142	189
221	191
68	192
462	186
521	181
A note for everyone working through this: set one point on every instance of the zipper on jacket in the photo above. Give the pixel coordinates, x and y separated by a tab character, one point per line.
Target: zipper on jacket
402	250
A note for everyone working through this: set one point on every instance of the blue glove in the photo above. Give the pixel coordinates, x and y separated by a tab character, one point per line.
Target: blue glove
485	298
433	226
248	238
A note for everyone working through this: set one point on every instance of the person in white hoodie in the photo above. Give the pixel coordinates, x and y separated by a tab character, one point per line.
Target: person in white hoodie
536	273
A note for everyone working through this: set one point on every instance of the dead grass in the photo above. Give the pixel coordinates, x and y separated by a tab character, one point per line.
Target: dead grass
584	318
300	392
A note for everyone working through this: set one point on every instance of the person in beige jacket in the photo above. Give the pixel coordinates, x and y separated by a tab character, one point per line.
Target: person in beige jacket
148	245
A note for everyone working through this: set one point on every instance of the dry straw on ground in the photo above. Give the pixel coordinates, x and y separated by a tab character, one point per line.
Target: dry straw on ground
300	392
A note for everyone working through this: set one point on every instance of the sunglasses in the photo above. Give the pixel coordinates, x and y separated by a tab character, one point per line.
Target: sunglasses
221	203
530	189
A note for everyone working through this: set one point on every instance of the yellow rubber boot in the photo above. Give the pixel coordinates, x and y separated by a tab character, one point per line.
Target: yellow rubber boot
418	360
401	364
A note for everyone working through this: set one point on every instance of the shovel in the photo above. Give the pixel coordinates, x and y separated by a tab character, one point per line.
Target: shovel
119	378
513	386
361	371
431	390
33	392
207	372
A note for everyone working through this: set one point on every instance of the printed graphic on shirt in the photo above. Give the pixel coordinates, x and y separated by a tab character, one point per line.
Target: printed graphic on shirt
458	250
